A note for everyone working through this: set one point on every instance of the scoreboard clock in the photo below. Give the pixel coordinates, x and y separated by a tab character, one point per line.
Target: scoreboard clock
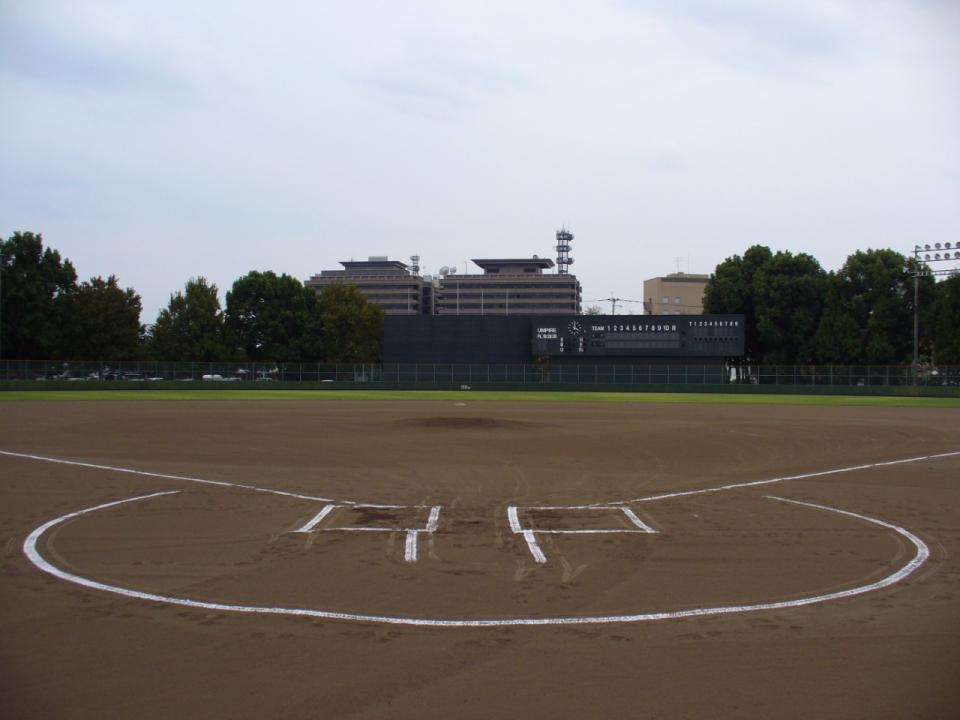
638	335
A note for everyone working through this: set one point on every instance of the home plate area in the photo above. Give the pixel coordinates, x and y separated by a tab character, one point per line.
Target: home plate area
431	563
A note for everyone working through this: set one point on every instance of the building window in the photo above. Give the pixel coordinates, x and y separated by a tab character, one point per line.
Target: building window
676	300
664	300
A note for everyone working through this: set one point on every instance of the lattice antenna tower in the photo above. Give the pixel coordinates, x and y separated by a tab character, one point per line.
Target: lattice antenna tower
564	261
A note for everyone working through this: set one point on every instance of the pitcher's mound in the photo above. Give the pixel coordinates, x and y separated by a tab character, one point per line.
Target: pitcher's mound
468	423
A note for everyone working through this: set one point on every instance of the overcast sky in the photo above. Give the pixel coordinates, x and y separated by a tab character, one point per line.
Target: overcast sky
164	140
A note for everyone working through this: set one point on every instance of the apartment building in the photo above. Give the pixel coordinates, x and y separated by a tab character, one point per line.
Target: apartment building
675	294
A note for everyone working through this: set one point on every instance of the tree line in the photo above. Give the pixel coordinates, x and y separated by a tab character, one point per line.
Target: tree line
795	312
46	314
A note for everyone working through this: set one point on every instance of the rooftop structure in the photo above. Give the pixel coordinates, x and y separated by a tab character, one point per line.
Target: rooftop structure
514	266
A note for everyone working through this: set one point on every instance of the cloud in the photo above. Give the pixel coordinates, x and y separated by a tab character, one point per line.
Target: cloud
51	50
437	79
292	137
762	33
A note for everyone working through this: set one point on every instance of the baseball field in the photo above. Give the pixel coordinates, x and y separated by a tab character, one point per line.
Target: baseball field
471	555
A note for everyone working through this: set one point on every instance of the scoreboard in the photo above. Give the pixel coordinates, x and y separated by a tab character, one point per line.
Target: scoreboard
638	335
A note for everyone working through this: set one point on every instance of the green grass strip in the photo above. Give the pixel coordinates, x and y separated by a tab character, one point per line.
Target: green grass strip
478	396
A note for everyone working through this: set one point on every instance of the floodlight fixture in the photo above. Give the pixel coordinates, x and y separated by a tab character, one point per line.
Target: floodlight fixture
920	270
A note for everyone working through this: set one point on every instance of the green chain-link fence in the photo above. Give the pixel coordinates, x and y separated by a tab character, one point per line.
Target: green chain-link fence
475	376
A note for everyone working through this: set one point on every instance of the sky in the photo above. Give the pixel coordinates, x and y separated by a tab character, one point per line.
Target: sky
163	141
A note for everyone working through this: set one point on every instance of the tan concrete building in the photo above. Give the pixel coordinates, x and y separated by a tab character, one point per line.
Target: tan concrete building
676	294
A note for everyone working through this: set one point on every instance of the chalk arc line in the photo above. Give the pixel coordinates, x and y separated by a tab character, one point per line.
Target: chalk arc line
33	554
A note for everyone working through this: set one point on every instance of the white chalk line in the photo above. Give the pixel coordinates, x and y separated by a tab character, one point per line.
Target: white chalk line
632	517
410	551
410	547
316	519
755	483
530	534
30	550
535	550
590	531
203	481
517	529
513	519
434	520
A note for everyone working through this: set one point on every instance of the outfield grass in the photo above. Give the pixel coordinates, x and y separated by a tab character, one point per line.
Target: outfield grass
475	396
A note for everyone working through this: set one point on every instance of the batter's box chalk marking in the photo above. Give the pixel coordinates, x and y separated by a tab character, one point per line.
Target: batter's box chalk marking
410	546
33	542
530	534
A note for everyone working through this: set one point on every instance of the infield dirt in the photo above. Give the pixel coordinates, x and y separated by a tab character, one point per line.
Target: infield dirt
69	651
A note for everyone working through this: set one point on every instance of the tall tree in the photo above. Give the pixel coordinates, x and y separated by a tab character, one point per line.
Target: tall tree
731	289
274	318
352	326
868	318
788	299
944	320
837	339
192	326
35	284
103	321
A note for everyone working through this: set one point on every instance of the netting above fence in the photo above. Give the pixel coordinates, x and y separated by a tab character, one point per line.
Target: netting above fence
476	374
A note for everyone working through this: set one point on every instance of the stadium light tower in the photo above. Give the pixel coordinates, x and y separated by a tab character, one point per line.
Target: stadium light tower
939	252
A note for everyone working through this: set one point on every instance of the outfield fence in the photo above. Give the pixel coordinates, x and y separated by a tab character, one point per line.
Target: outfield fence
782	378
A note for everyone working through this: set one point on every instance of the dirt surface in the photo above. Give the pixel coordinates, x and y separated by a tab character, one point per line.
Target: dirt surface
69	651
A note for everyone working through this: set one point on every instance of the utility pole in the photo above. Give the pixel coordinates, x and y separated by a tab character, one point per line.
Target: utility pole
613	302
916	322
